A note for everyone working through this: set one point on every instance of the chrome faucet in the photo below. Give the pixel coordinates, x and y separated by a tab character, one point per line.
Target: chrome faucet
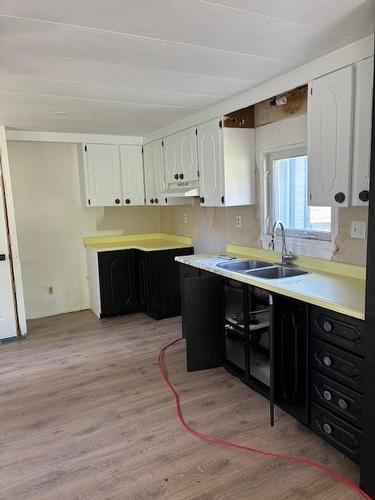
286	257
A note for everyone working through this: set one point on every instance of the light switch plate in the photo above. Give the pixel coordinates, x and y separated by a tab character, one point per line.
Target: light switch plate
358	229
238	221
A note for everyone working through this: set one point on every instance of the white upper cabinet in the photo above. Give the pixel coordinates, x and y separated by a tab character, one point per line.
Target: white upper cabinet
153	158
364	71
180	157
133	192
211	168
330	118
103	175
226	158
187	142
113	175
171	159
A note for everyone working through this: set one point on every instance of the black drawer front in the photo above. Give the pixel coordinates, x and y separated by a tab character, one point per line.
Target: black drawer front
341	330
340	365
342	401
341	435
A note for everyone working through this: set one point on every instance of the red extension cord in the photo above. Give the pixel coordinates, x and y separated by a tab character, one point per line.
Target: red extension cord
223	442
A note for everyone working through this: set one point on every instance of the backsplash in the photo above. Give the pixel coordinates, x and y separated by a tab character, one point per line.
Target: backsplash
212	228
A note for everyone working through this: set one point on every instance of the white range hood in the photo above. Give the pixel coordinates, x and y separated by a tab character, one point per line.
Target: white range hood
181	192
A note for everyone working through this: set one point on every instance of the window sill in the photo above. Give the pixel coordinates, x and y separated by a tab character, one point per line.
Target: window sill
299	246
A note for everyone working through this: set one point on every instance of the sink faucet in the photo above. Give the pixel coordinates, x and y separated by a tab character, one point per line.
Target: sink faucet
286	257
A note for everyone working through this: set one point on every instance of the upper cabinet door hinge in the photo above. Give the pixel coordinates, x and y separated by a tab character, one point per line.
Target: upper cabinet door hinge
85	147
89	201
197	173
142	149
221	123
311	91
162	143
196	131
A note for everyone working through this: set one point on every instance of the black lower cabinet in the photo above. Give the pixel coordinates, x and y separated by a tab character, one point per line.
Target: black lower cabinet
337	373
343	436
186	272
133	281
289	357
203	320
118	282
159	282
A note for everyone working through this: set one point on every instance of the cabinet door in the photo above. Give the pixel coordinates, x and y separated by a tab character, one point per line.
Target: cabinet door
149	173
364	71
153	162
203	322
132	175
330	114
118	282
103	175
188	155
171	158
210	159
186	272
143	282
289	373
158	172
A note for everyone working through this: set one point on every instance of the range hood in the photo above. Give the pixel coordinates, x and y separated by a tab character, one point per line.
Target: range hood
181	192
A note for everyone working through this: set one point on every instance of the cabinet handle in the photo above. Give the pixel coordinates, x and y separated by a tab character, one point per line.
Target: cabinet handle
117	201
340	197
222	200
181	176
327	361
342	404
327	428
327	326
327	395
127	201
2	256
156	200
363	196
201	199
166	200
152	200
176	176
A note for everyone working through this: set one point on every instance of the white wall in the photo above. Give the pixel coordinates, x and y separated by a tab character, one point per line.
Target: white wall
51	224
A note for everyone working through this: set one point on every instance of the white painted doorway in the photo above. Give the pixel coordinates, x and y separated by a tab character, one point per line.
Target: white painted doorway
8	318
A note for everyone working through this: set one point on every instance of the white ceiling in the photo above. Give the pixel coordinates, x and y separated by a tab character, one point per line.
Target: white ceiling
132	66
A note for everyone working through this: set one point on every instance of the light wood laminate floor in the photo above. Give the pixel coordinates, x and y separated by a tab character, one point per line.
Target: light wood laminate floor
84	414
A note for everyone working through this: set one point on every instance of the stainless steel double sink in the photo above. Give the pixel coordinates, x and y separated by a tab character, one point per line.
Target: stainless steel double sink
261	269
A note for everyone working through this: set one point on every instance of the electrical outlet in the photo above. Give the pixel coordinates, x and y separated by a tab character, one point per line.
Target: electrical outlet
238	221
185	218
358	229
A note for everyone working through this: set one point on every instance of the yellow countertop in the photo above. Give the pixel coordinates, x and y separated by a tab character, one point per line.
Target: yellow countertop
334	286
146	242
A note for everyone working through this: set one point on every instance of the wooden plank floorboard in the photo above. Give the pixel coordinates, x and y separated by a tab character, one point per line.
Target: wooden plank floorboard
85	415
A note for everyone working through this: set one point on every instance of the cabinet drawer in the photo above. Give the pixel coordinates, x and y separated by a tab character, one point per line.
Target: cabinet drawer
337	364
342	401
338	329
341	435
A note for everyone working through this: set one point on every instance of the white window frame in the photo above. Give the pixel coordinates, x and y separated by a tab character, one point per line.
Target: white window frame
313	243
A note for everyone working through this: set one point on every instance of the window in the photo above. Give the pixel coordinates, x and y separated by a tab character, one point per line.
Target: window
287	195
